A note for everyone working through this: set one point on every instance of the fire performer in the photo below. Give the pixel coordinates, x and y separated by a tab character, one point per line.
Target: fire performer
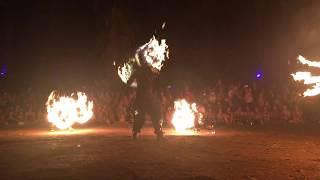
143	68
147	101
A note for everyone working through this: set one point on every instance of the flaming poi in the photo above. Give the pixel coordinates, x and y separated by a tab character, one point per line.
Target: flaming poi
126	70
184	115
154	54
308	78
64	111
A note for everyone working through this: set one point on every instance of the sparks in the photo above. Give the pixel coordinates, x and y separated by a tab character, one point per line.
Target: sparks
64	111
307	77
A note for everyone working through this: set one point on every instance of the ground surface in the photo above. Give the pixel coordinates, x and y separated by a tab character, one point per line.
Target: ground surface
110	153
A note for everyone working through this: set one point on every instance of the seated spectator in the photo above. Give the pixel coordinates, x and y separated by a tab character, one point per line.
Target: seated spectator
248	98
228	117
258	116
220	118
238	116
285	114
275	115
297	116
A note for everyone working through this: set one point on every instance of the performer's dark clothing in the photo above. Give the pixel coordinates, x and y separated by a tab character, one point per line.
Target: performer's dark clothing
146	101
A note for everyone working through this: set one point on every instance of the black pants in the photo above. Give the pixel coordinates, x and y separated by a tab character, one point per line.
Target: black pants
151	107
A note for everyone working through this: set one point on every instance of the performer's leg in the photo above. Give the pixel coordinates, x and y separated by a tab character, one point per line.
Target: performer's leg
155	113
138	121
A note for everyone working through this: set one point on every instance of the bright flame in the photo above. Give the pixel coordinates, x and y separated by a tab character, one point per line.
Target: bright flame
153	53
308	62
64	111
126	71
307	78
184	115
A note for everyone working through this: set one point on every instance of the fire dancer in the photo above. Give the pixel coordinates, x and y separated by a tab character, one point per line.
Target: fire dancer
146	102
143	68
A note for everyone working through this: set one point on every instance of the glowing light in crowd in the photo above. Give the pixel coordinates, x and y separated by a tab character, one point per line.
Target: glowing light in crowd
307	77
64	111
3	71
184	115
259	75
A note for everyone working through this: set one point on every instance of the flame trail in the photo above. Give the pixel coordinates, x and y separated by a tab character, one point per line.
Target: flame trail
307	77
64	111
184	115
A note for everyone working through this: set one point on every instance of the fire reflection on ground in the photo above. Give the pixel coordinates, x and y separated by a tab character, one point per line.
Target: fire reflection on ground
69	132
107	131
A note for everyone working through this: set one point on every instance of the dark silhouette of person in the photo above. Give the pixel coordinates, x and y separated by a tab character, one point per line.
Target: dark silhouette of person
147	101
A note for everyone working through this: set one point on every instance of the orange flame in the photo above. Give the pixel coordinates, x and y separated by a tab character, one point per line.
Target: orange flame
184	115
307	77
154	54
64	111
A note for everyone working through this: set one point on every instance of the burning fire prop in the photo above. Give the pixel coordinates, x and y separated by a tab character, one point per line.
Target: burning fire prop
307	78
185	115
64	111
126	70
153	53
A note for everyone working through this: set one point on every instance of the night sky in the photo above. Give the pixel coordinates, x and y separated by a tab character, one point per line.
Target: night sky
57	43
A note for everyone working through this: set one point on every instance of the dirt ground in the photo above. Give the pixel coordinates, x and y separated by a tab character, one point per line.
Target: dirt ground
110	153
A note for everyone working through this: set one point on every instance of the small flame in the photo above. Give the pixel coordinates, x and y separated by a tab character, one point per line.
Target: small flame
163	25
184	115
126	71
307	77
64	111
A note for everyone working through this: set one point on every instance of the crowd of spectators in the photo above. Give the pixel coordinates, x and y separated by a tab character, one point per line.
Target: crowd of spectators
21	108
241	104
220	104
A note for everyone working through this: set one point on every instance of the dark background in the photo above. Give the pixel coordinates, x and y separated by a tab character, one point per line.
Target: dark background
72	43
